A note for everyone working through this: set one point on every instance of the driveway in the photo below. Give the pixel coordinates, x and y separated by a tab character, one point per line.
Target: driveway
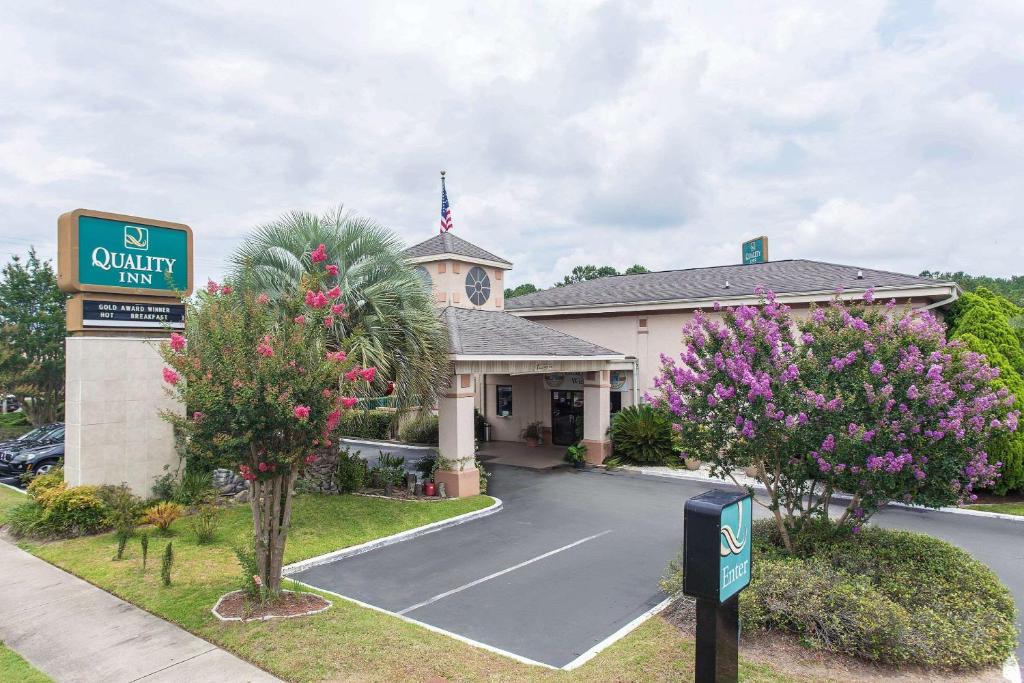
573	558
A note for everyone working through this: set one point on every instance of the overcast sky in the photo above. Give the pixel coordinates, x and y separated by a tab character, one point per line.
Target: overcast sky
881	134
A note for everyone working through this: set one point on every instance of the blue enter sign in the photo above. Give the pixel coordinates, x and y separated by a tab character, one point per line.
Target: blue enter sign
734	563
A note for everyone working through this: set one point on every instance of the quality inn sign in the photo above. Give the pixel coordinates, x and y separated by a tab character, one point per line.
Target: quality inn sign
119	254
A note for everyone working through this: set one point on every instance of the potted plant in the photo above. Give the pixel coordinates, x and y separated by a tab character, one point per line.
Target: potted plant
532	433
576	455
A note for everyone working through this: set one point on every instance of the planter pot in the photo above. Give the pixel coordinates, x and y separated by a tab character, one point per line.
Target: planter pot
531	442
750	471
692	464
429	488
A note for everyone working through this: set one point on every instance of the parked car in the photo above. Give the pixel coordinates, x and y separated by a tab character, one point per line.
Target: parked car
36	455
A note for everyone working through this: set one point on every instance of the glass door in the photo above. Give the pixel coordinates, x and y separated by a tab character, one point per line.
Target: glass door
566	417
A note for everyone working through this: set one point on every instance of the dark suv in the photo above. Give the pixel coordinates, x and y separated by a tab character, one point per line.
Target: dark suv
37	451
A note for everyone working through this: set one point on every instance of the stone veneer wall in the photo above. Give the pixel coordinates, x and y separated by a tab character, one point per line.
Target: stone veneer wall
115	393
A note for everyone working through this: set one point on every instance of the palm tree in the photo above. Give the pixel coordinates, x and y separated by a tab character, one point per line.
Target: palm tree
392	323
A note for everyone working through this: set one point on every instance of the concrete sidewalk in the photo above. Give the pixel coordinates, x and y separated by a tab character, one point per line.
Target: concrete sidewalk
73	631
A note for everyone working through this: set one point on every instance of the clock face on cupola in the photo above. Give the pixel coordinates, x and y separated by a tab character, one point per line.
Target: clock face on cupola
478	286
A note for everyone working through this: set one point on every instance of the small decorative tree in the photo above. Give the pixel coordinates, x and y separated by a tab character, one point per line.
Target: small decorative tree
856	399
264	390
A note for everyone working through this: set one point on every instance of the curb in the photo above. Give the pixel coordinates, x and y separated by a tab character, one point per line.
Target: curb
1011	670
303	565
269	616
14	488
949	510
367	442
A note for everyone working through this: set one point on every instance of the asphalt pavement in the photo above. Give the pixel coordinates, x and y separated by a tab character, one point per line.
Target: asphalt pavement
575	556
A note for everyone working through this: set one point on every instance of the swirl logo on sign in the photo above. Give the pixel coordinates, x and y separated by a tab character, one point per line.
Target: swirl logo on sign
731	545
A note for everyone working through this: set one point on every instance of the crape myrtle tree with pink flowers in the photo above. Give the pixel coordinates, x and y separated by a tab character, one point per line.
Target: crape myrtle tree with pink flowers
859	398
264	391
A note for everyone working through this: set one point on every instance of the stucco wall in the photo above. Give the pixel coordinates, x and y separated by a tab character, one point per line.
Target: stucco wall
448	281
626	334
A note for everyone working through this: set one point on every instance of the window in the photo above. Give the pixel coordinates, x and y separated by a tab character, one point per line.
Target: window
503	403
478	286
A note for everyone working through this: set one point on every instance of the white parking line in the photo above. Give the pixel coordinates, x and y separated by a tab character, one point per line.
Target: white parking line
441	596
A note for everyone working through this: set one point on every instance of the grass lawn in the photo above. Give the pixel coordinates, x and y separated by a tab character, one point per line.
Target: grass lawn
1005	508
9	499
346	642
14	668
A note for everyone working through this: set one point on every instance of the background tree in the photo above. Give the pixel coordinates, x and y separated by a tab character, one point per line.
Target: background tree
264	391
525	288
32	331
591	272
1012	287
389	320
990	324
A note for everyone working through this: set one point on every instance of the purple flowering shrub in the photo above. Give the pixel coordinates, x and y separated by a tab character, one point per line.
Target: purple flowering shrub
858	398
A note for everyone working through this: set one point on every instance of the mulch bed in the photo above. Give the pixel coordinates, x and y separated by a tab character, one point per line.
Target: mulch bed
236	606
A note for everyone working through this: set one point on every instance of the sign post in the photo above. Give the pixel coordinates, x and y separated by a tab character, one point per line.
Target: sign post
126	276
716	567
755	250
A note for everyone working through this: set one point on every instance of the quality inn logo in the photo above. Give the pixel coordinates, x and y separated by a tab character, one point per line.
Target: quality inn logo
136	238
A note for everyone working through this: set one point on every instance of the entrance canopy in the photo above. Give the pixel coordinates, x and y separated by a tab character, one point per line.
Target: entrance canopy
492	342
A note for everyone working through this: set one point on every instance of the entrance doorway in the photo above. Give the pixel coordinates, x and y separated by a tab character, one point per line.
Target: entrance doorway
566	417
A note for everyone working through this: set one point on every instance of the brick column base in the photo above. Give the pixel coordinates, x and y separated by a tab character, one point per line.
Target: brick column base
597	451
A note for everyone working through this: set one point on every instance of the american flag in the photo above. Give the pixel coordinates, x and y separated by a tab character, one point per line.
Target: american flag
446	211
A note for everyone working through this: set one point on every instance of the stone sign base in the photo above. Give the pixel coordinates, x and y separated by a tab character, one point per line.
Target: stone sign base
115	393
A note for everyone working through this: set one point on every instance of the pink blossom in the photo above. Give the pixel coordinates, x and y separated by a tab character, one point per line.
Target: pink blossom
337	356
263	467
319	254
263	299
349	402
332	270
326	393
869	295
332	419
177	341
197	416
302	412
338	309
329	320
311	458
368	374
212	287
300	320
334	292
170	376
264	348
225	289
353	374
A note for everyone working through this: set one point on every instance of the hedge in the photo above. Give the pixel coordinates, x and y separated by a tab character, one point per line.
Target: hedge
366	424
885	596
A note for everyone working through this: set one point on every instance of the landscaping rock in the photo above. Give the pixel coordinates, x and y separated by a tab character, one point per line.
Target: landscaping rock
242	496
228	482
319	477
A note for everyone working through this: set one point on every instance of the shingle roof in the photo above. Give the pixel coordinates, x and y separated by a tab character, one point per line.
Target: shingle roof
475	332
782	277
447	243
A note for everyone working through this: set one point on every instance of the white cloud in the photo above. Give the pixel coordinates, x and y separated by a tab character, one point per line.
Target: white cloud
880	133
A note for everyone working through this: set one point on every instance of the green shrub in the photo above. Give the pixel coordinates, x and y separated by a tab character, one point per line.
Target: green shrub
351	473
426	465
75	511
166	564
390	469
23	519
40	486
144	542
204	524
15	419
884	596
366	424
484	476
643	434
422	430
194	488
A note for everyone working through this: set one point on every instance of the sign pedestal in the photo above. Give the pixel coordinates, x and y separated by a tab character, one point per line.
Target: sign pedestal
716	567
114	397
718	630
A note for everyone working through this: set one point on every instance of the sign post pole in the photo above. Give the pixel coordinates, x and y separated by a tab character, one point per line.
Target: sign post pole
716	567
